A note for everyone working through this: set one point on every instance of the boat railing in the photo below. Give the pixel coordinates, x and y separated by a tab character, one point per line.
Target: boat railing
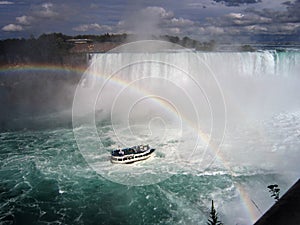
131	156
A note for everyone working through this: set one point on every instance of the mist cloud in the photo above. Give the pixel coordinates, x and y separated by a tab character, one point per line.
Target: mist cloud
150	21
146	22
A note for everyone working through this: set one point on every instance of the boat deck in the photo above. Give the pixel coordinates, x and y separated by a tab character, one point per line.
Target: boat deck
130	155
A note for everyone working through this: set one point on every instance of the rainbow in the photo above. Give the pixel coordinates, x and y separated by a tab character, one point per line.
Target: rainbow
251	209
7	69
249	206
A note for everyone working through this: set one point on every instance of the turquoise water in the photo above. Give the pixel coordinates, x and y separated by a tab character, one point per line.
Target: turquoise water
45	180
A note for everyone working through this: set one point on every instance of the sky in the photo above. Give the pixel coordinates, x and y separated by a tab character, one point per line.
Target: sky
221	20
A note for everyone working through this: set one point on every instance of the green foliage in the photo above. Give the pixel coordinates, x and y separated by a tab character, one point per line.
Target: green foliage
275	191
213	216
48	48
54	47
247	48
190	43
118	38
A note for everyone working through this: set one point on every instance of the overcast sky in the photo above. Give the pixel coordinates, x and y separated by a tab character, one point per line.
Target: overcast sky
232	20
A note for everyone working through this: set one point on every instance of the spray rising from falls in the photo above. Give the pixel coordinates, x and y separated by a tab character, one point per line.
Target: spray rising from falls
205	113
181	101
248	80
150	98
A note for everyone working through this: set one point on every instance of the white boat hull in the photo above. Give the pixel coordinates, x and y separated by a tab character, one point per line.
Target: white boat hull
131	158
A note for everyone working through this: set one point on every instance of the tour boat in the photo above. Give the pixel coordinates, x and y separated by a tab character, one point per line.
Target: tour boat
132	154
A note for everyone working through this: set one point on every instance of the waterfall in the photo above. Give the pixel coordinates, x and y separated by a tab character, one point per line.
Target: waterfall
257	82
255	64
